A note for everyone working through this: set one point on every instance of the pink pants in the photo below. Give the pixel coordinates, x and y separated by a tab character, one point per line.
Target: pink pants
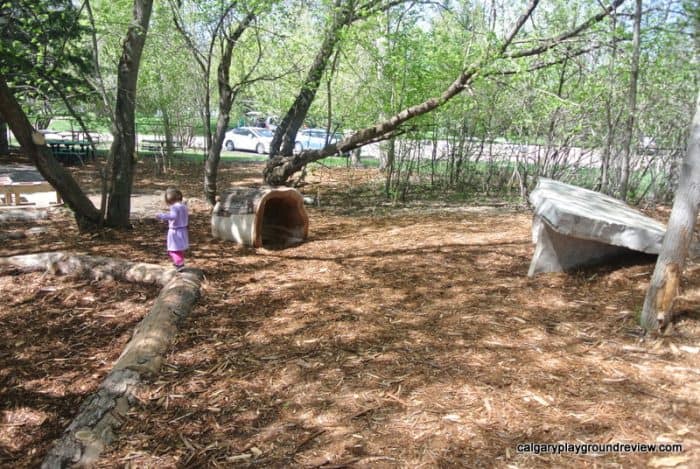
178	257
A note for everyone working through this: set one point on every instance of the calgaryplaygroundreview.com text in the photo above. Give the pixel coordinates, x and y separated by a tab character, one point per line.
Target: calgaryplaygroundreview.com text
596	448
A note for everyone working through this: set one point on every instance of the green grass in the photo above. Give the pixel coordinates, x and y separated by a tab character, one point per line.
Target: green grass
67	124
246	157
198	156
342	162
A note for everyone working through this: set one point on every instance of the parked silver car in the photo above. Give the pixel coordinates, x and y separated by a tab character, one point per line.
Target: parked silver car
248	138
314	139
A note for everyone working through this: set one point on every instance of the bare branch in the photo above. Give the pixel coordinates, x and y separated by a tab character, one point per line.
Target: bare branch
179	25
542	65
555	41
521	21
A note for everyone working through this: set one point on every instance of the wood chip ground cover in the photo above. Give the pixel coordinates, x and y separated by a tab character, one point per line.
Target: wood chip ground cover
393	338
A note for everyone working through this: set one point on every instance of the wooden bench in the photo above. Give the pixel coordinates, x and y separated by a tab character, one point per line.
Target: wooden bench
13	191
158	146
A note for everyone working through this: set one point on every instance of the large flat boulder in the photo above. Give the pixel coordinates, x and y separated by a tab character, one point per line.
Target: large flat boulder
575	227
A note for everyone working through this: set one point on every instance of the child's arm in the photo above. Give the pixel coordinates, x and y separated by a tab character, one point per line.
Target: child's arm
167	216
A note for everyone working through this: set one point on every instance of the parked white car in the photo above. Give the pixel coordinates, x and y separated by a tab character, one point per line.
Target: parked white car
248	138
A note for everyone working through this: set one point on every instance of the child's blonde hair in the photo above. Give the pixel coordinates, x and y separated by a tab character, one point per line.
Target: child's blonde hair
172	195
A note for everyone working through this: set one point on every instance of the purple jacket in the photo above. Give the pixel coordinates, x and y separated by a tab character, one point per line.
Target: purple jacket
177	226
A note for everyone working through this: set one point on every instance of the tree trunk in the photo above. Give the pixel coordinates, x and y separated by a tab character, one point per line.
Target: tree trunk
34	145
94	267
4	143
658	304
388	162
169	144
211	165
355	158
285	135
226	97
630	143
604	181
123	149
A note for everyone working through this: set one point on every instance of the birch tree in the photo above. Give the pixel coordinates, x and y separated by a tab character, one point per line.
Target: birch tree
665	281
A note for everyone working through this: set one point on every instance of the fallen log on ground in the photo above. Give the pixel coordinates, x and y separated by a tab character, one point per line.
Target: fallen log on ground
24	214
95	267
102	413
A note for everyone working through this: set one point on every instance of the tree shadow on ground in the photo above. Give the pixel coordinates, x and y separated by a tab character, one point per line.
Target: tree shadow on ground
399	341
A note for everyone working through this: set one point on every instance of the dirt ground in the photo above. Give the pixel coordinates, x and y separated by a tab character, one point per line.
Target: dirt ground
395	337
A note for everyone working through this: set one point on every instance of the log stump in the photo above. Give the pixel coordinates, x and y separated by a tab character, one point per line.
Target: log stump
270	217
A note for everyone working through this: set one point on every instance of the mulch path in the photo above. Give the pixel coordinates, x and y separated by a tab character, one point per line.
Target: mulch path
395	337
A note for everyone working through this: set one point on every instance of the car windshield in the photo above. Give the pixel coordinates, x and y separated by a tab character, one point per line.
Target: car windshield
263	132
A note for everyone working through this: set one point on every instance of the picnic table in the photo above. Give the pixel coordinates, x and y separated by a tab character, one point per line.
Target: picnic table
71	151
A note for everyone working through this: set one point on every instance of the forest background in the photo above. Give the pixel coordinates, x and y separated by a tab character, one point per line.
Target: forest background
606	108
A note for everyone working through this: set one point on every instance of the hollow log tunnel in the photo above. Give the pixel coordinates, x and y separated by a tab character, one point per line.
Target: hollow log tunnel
266	217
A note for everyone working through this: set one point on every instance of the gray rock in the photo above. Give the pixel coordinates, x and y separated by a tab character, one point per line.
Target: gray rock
575	227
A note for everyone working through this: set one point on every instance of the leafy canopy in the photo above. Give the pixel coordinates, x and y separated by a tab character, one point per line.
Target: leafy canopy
41	47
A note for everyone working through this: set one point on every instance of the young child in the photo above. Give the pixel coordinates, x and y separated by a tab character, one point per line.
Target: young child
177	240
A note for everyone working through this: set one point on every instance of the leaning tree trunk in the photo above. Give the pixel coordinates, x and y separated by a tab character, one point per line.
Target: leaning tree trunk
123	150
665	281
285	135
280	168
34	145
